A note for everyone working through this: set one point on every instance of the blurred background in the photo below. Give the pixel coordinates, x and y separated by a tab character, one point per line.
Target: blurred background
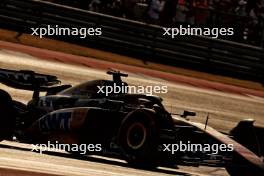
245	16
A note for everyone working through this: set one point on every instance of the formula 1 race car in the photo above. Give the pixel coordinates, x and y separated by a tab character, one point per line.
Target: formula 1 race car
135	127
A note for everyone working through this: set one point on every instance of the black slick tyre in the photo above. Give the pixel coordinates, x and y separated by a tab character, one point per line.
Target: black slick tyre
138	138
6	116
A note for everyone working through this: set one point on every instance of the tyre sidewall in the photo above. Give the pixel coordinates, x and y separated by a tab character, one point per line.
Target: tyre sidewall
146	153
7	119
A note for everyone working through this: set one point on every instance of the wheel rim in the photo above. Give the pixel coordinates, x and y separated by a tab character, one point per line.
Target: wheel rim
136	135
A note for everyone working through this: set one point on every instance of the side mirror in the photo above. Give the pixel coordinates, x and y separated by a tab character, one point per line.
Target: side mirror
117	75
188	113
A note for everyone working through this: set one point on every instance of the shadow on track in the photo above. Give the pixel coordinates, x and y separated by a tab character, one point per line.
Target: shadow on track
94	159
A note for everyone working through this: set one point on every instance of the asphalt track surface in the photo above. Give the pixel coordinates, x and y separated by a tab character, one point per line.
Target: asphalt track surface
225	110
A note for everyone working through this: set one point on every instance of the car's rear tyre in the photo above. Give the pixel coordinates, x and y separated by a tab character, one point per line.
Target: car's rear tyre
138	138
7	116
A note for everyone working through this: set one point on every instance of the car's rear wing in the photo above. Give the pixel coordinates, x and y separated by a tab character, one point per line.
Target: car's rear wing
29	80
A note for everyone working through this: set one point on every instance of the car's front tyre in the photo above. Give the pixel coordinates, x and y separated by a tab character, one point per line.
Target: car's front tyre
243	167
